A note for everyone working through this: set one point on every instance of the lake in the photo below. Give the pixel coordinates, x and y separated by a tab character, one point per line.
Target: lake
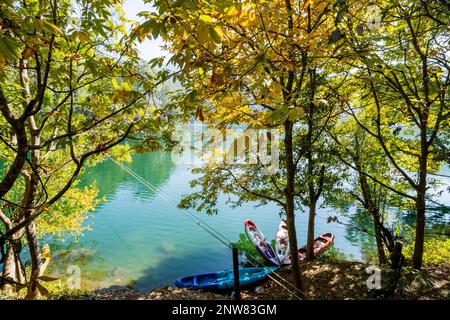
143	240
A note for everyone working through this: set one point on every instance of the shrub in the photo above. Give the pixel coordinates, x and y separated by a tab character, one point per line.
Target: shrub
435	251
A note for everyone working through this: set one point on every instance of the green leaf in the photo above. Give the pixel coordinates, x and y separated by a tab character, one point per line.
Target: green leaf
151	26
279	114
295	113
146	26
91	65
216	34
38	25
9	47
126	86
156	30
203	34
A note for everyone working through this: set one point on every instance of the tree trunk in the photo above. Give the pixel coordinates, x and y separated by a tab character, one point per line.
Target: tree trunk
397	260
420	230
35	255
382	259
290	205
382	235
8	180
373	210
30	197
311	222
312	197
20	270
12	268
32	238
9	268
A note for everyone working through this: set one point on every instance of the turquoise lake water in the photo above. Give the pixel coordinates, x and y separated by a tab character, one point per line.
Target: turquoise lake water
140	238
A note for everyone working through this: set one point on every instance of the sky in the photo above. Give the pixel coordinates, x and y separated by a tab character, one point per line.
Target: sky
148	49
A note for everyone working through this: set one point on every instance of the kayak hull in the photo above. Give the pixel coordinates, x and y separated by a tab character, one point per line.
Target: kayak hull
223	280
282	243
260	242
321	243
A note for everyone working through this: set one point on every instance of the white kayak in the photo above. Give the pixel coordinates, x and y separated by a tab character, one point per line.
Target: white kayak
282	243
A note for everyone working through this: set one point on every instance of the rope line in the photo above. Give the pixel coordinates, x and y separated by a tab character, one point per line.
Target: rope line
205	226
220	237
249	259
227	242
284	287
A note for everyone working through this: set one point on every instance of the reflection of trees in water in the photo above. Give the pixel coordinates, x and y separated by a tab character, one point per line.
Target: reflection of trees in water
437	220
190	262
357	220
74	253
438	223
154	167
94	270
354	233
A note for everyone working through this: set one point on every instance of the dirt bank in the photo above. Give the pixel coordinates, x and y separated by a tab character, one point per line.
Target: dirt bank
340	280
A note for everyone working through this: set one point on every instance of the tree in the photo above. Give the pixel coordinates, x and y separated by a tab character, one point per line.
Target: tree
316	168
376	187
369	182
254	63
403	70
71	89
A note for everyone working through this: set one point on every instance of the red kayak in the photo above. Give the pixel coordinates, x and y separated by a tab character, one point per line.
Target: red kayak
321	243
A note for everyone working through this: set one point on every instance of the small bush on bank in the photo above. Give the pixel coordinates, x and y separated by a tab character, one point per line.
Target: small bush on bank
436	251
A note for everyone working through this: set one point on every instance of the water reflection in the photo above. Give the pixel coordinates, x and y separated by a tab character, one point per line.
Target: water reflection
360	233
155	167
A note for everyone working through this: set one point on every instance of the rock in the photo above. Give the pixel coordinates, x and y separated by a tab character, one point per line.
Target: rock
167	247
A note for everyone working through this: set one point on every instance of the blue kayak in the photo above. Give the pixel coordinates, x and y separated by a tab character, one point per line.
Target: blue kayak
224	279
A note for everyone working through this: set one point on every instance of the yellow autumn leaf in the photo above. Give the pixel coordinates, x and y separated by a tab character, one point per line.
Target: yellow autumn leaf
55	29
206	19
